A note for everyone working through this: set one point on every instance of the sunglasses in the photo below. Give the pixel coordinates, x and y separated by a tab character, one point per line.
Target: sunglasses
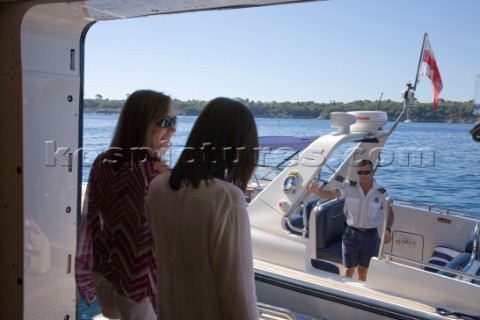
363	172
167	122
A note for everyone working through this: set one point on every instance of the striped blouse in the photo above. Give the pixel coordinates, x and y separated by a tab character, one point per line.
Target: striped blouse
114	238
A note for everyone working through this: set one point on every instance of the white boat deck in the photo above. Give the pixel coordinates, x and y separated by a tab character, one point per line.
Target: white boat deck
346	287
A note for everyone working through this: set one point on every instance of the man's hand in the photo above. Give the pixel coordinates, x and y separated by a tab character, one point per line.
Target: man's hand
387	236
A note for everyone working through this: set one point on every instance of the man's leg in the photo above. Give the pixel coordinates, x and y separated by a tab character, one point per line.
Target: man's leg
349	272
349	251
369	249
362	273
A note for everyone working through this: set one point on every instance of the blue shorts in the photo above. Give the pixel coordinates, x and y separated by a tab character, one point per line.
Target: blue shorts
358	247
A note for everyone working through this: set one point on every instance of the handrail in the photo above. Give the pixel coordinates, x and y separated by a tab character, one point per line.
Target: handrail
267	311
384	228
476	243
303	231
430	208
301	204
433	266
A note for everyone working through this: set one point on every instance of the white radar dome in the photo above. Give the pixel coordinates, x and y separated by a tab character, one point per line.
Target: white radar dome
342	121
368	120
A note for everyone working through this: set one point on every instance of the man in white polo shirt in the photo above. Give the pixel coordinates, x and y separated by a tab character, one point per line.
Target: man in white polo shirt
365	203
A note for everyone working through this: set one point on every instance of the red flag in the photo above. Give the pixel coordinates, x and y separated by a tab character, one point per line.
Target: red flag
429	69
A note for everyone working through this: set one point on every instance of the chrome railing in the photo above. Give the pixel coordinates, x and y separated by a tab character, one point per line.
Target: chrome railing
436	209
458	273
476	243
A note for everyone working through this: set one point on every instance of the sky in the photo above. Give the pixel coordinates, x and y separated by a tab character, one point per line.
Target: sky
337	50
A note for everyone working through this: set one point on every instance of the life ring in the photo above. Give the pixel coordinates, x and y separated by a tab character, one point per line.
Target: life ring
475	132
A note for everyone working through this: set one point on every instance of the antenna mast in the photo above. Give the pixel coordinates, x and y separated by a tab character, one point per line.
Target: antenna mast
419	61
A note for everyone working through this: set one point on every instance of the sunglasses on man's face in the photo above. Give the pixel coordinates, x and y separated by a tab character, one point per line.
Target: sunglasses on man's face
167	122
363	172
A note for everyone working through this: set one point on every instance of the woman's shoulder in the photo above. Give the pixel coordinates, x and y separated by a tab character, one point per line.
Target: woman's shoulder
229	190
160	180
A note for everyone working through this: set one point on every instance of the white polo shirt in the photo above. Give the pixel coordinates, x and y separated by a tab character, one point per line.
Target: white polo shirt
363	211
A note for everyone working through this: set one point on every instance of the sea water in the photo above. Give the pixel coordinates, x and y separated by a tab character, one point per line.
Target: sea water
431	163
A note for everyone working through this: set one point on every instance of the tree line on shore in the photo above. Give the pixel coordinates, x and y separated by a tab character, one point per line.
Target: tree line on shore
447	111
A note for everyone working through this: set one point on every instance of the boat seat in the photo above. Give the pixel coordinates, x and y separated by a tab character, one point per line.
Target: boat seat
441	256
451	259
297	218
329	224
325	266
473	267
457	264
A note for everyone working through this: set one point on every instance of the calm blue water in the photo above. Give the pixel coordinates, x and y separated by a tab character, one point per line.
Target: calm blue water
433	163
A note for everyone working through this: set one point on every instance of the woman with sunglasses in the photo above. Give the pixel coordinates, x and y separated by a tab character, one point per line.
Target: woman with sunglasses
115	257
199	219
365	204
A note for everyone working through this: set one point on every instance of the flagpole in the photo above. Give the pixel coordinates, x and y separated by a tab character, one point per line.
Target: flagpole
420	61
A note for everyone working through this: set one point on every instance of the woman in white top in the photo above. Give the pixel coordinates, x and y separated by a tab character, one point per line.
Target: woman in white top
199	220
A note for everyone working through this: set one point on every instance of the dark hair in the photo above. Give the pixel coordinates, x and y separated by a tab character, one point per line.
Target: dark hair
141	109
223	144
365	162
